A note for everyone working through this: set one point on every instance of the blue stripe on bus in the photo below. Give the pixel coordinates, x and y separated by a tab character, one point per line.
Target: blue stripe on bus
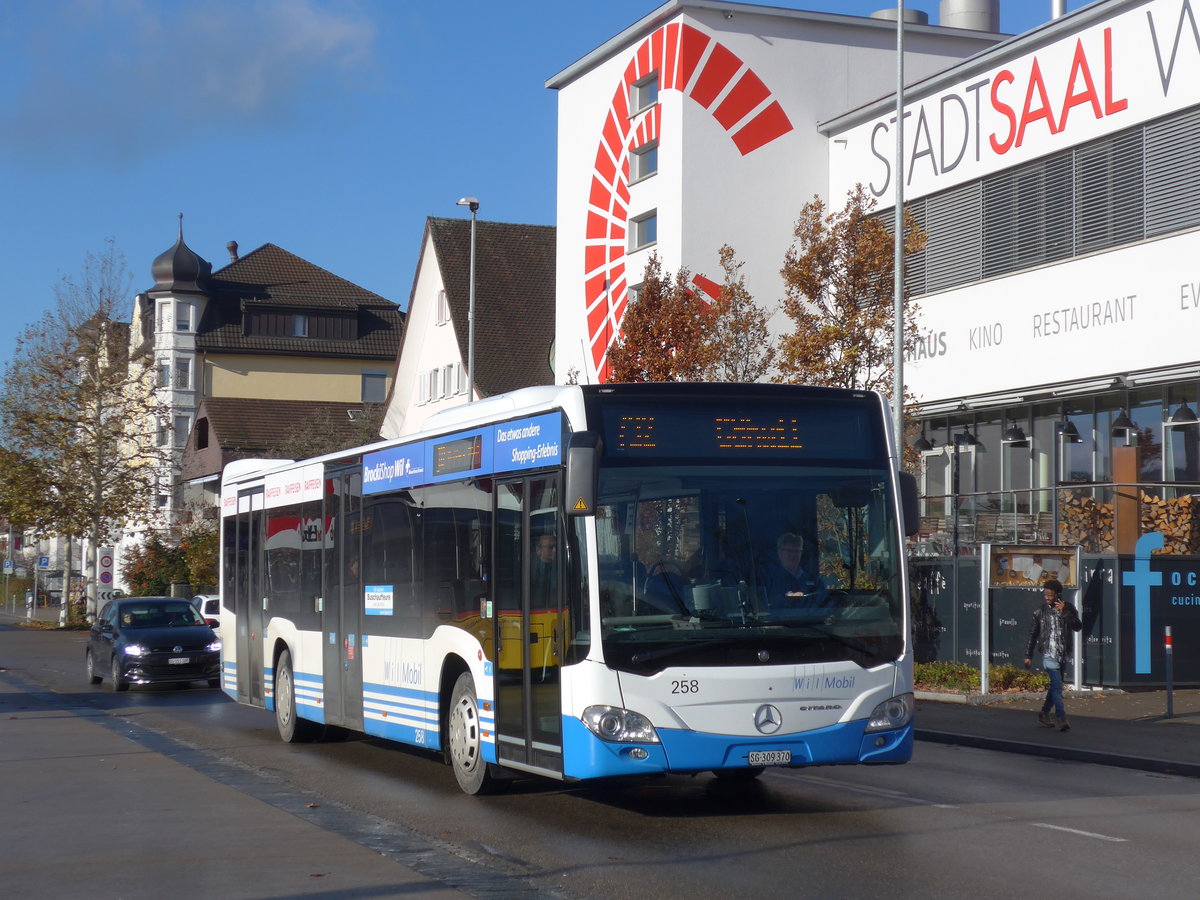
586	756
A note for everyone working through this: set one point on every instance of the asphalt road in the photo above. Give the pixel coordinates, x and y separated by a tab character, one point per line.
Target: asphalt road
955	822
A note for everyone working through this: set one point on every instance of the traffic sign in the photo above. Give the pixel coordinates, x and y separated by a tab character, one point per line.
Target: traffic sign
8	567
43	562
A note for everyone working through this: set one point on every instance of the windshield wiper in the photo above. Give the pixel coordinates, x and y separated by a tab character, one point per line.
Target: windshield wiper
675	649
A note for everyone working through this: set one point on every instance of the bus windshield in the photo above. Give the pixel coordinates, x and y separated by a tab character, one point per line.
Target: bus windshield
754	564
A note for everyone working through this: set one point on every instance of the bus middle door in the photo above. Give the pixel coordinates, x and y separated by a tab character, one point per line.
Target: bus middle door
529	624
342	620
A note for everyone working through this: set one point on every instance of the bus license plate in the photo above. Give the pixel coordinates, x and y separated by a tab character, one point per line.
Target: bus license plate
770	757
179	660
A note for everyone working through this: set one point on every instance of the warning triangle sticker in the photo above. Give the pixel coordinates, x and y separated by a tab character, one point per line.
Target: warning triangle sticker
580	505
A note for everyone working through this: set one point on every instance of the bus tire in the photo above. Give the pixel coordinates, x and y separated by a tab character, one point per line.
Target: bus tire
92	675
292	729
465	738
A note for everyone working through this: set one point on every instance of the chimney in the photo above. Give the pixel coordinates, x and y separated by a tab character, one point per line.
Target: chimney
232	248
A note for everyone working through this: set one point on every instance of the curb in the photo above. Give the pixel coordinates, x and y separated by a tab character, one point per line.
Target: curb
1052	751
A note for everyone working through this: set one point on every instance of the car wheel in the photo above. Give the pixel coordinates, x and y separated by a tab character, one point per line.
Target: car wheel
292	729
93	678
118	682
465	739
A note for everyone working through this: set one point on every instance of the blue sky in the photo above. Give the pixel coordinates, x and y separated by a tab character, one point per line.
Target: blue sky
329	127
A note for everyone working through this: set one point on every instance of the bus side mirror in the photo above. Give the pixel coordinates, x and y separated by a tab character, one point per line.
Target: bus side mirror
583	455
908	504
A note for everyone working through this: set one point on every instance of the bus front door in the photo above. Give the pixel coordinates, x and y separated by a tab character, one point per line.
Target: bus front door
342	615
529	623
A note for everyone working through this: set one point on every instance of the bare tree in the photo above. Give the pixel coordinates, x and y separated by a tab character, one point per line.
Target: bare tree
81	410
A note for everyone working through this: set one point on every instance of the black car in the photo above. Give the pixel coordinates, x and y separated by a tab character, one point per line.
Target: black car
152	640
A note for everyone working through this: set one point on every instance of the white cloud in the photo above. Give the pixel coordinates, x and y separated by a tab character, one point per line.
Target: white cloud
112	80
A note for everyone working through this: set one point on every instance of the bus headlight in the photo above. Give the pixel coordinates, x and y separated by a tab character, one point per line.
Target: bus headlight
611	723
894	713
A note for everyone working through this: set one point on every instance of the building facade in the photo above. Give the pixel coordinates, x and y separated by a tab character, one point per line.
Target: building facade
514	319
274	343
696	127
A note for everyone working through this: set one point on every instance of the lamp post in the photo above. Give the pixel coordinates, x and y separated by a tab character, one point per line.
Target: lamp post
473	204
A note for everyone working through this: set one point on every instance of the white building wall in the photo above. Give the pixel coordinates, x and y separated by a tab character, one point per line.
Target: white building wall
427	346
715	184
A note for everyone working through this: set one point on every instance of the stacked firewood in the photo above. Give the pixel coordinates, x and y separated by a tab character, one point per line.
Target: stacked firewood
1089	523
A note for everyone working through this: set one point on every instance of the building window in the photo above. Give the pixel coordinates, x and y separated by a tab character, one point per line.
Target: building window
183	317
162	434
374	387
634	293
183	374
644	93
202	434
422	391
299	325
160	312
183	425
164	373
643	162
461	378
443	308
643	231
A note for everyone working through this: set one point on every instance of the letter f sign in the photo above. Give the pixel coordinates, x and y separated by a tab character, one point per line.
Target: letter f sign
1141	579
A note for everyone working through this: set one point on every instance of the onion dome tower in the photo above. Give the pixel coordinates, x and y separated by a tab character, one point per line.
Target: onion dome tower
180	270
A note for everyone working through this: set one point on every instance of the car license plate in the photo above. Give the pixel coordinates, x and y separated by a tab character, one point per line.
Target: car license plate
179	660
770	757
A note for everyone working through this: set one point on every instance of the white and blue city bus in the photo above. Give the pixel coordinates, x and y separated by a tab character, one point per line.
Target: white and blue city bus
587	581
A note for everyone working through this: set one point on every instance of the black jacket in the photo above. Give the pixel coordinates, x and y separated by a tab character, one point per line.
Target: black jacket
1039	631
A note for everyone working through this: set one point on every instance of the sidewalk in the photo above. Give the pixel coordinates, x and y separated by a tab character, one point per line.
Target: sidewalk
1115	728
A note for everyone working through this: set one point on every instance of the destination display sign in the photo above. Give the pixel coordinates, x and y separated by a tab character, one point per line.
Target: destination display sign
514	446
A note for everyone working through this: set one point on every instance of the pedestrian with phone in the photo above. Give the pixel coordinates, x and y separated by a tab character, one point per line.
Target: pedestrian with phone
1053	622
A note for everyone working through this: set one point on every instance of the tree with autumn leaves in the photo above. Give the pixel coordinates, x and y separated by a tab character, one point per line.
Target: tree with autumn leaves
839	293
838	280
672	333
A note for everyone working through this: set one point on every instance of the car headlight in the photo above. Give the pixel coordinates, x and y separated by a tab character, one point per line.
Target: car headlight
135	650
894	713
214	646
612	723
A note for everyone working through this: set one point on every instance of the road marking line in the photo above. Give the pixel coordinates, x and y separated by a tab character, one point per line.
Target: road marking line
876	792
1091	834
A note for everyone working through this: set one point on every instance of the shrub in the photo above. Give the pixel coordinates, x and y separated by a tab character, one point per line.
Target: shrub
959	676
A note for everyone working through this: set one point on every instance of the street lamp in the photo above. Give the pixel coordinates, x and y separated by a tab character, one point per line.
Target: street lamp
473	203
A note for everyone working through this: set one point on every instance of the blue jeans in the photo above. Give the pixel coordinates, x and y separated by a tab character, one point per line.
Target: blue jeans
1054	696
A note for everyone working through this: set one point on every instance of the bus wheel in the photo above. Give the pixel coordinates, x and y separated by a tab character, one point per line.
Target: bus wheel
292	729
466	738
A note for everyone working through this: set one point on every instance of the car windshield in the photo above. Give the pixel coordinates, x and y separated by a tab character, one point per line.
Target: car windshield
160	614
725	565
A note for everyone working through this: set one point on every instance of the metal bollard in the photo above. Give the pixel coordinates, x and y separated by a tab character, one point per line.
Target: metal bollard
1169	662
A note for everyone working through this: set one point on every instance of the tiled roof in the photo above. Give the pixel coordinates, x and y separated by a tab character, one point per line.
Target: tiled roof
272	278
514	298
250	425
